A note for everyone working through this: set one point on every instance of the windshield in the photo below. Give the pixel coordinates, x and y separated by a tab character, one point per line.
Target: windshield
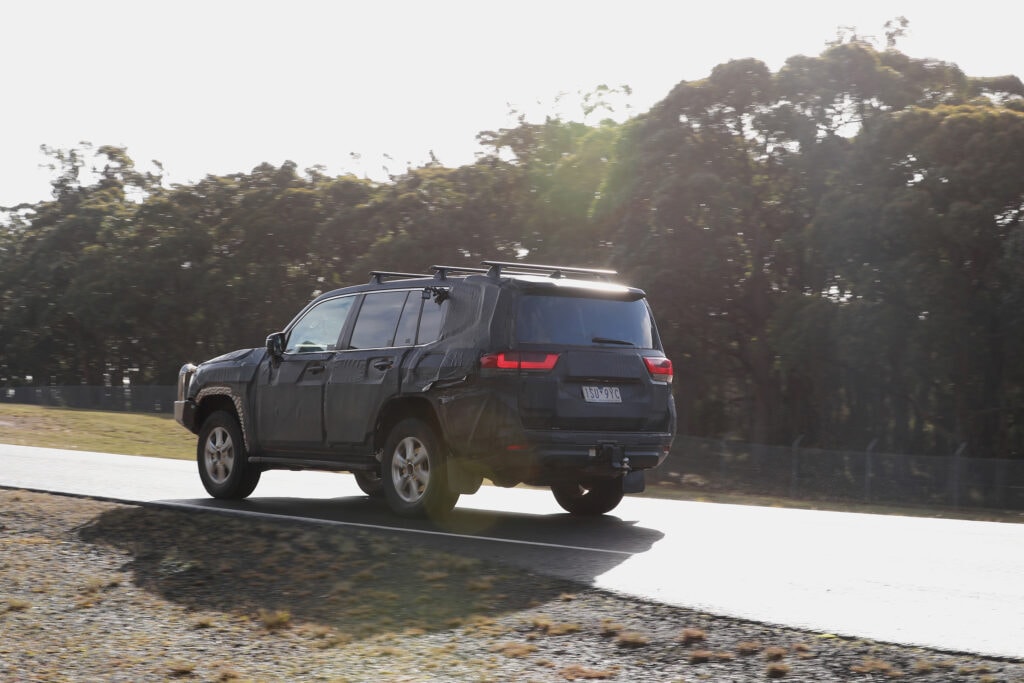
581	321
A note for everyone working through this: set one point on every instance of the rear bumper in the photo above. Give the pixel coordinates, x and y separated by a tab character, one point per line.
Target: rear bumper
546	457
599	450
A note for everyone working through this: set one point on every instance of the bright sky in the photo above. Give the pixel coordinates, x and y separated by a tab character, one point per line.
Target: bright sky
219	86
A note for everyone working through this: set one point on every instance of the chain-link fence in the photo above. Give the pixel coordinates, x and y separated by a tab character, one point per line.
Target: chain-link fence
138	399
856	476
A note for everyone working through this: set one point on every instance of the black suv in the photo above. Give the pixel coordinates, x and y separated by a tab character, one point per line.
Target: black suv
424	385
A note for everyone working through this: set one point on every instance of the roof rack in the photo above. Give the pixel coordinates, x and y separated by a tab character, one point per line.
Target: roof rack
552	271
378	276
442	272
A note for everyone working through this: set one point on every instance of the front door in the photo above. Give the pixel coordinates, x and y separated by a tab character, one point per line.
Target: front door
290	400
290	388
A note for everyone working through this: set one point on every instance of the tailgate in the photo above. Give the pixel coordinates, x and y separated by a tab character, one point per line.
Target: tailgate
594	390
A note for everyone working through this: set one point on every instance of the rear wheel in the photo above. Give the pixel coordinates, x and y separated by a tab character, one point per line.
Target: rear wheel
589	498
413	472
224	466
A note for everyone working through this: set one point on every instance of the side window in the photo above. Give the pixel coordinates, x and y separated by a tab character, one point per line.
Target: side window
406	335
378	319
430	321
320	328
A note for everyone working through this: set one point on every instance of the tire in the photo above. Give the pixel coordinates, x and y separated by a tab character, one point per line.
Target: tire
413	472
370	483
589	499
223	461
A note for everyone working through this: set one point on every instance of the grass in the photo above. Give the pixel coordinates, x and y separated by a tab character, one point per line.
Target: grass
90	430
160	436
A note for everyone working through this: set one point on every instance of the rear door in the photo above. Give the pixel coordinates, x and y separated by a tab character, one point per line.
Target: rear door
368	370
600	381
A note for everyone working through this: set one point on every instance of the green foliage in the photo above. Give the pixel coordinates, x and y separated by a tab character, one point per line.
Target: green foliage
834	251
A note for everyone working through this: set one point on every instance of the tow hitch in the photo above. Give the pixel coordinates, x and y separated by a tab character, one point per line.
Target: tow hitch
632	480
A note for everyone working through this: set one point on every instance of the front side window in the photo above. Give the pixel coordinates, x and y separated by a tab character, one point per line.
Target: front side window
583	321
320	327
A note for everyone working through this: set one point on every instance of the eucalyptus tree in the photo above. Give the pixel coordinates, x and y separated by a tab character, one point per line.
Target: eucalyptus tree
928	250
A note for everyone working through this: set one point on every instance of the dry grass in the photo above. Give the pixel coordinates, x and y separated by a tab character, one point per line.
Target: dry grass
87	430
632	639
552	628
748	647
514	649
578	672
275	620
689	636
872	665
15	605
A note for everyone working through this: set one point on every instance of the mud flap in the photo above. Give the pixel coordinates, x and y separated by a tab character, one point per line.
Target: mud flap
633	482
460	480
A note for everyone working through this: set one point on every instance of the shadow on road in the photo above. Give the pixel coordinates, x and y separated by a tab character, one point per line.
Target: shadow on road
351	566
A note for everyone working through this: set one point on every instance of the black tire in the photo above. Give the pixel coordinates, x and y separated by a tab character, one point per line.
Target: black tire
413	472
589	499
370	483
223	461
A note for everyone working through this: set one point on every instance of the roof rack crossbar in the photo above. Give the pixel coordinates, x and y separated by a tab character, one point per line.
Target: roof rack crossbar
553	271
378	276
442	272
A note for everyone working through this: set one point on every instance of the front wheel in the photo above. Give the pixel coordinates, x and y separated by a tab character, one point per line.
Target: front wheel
223	462
413	470
590	498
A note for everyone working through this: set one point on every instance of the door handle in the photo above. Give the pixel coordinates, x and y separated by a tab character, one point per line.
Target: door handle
315	368
384	364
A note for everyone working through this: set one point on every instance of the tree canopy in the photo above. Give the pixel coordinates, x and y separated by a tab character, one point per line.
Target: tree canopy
834	251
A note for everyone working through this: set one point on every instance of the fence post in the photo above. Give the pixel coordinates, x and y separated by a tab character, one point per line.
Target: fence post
794	481
955	474
868	473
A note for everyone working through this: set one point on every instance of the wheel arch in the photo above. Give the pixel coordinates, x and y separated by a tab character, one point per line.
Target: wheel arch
398	409
214	399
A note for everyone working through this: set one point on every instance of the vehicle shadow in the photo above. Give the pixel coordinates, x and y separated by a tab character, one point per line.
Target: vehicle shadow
350	566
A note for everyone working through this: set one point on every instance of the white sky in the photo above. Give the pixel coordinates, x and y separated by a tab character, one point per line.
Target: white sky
219	86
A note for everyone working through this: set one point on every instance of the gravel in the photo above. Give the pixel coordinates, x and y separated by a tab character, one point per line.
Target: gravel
99	591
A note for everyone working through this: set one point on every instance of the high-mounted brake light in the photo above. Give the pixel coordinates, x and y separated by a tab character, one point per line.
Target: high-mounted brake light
519	360
659	367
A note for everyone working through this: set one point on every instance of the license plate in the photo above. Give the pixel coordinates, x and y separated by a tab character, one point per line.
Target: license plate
602	395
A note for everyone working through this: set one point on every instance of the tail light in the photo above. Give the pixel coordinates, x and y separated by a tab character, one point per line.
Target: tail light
659	367
519	360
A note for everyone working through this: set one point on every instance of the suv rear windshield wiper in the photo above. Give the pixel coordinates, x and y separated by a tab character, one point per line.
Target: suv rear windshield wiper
606	340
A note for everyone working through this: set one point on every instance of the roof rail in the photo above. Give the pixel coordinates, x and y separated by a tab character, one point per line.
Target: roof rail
378	276
552	271
442	272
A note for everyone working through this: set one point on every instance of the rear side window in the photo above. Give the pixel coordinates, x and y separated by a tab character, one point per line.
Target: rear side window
378	319
582	321
400	318
430	321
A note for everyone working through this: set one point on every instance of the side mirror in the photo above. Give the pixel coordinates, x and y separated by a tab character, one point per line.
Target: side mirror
275	344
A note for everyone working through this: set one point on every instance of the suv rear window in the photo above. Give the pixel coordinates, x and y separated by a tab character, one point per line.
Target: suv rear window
583	321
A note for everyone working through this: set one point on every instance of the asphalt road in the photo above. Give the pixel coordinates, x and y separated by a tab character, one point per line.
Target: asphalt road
939	583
